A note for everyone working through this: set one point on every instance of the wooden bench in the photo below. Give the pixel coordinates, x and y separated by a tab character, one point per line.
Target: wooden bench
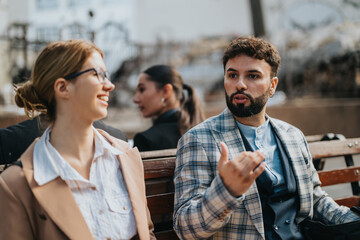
159	169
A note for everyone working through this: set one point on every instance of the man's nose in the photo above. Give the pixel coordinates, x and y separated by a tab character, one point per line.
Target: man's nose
240	84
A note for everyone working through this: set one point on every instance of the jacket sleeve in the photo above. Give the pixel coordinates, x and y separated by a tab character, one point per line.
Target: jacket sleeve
15	223
202	203
142	143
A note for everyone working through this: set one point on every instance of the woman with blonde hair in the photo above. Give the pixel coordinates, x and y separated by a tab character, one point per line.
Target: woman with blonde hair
173	105
76	182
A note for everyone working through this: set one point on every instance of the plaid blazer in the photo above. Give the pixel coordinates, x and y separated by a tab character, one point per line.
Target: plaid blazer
203	206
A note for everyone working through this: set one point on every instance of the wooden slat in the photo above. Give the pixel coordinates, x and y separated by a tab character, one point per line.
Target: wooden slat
159	186
313	138
337	176
166	235
161	203
334	148
349	201
158	154
159	167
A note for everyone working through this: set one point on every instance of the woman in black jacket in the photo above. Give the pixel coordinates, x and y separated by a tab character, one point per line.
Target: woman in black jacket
173	105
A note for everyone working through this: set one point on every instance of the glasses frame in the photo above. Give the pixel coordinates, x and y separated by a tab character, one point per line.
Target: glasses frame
100	74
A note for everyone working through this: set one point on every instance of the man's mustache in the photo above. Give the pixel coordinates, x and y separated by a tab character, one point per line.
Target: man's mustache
240	92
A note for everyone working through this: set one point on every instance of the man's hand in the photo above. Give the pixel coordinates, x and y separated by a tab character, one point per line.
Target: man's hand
239	173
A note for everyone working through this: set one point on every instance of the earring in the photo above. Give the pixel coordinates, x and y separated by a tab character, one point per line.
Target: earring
163	102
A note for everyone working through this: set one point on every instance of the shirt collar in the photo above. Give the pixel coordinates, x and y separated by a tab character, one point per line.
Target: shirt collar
101	144
49	164
250	131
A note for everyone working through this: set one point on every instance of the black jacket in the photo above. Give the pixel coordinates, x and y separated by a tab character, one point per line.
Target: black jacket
164	134
15	139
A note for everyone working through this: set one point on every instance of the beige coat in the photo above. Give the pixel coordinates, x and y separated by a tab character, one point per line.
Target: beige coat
30	211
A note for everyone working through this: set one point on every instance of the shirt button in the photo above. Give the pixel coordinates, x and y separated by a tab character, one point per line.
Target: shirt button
124	207
258	130
275	227
287	221
101	211
93	188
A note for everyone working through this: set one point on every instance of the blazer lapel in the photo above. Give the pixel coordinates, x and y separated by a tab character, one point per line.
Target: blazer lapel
57	200
229	133
296	154
132	169
133	172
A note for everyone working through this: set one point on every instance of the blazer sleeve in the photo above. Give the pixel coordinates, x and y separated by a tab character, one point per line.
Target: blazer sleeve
15	223
203	205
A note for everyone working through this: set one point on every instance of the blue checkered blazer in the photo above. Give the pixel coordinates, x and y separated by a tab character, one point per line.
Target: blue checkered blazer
203	206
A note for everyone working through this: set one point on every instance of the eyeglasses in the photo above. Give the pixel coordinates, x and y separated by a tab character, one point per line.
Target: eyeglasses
100	74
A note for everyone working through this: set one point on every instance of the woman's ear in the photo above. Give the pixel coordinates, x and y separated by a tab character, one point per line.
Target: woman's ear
61	88
168	90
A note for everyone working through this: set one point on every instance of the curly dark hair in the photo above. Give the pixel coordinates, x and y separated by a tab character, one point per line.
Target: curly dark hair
255	48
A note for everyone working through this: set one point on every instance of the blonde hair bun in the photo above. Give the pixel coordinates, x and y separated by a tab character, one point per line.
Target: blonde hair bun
26	97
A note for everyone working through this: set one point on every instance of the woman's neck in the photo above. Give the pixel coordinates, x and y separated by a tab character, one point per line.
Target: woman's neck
172	104
74	140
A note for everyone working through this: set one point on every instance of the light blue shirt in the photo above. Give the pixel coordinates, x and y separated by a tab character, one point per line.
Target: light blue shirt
262	138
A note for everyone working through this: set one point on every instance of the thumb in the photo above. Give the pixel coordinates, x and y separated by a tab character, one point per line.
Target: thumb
224	155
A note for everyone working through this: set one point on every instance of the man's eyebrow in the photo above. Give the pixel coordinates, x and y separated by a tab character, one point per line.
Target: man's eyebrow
231	70
254	71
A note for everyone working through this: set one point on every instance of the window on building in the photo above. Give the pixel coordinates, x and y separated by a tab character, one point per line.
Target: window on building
75	3
44	4
77	31
47	34
112	1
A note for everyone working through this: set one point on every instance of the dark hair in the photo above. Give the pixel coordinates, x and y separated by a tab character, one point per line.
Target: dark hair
191	111
255	48
56	60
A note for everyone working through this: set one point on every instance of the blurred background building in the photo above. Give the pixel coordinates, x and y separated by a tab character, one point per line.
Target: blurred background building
319	41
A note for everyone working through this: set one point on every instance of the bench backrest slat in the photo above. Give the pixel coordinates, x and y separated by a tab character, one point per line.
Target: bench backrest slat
338	176
161	203
159	167
349	201
158	154
334	148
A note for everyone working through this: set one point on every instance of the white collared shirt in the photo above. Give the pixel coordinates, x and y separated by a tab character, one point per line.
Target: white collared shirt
103	199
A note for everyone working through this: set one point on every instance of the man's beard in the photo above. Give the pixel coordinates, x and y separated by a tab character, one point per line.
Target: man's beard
255	107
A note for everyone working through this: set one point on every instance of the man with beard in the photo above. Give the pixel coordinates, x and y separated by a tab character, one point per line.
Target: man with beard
243	174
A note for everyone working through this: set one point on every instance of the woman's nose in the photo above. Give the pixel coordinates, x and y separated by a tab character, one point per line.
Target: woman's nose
108	86
136	98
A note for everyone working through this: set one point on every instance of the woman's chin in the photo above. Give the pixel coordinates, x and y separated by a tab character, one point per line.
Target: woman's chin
101	115
145	115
